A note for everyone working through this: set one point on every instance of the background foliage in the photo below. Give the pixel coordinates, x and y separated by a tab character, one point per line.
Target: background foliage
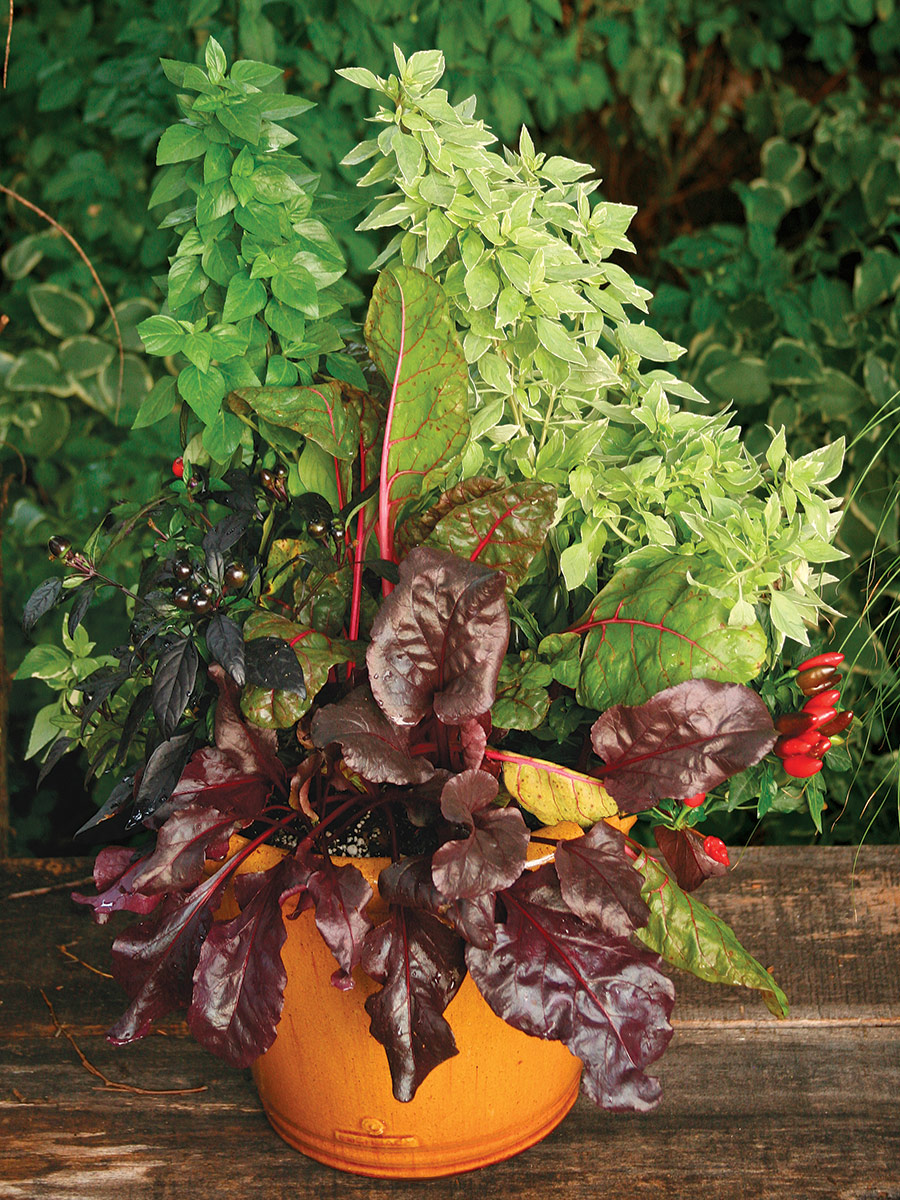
759	142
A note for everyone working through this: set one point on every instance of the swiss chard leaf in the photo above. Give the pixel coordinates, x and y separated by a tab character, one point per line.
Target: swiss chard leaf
688	935
239	980
688	738
154	961
371	744
412	339
501	525
493	855
598	882
317	412
683	851
554	976
554	793
419	962
173	682
410	883
650	629
115	871
340	895
438	640
182	846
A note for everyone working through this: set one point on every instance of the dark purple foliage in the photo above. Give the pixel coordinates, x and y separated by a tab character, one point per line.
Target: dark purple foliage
419	962
115	869
686	739
598	882
239	980
552	975
409	882
438	640
493	855
183	844
683	851
371	744
155	961
340	895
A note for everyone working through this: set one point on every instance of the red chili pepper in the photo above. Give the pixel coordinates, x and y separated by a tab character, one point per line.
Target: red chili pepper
802	766
716	849
801	743
821	746
820	718
829	659
178	468
822	701
794	723
836	725
694	801
817	679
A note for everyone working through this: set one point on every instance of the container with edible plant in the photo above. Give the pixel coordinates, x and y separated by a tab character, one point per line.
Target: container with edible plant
430	615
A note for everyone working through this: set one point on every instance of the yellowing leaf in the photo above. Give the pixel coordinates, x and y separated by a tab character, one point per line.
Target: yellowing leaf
554	793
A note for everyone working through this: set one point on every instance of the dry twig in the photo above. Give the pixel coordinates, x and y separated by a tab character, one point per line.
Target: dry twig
50	887
108	1083
64	950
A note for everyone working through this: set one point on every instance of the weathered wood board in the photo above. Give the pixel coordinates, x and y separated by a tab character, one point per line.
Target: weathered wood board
753	1108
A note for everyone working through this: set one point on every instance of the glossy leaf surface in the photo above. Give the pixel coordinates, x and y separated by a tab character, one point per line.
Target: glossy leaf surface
554	793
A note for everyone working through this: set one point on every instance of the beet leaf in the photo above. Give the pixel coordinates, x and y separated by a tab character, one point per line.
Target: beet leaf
598	882
553	976
371	744
493	855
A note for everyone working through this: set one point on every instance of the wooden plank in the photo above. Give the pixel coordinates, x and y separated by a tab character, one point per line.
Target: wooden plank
753	1108
818	1120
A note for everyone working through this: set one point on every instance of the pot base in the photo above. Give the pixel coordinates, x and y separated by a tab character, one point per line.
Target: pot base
369	1151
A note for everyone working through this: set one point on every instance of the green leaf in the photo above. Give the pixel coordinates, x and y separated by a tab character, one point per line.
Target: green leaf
744	380
689	936
34	371
282	107
650	629
244	297
412	339
646	342
260	75
180	142
555	338
158	403
501	525
295	286
60	312
216	62
162	335
876	278
186	281
522	699
319	413
361	77
438	232
481	285
223	436
81	356
241	118
220	262
554	793
203	390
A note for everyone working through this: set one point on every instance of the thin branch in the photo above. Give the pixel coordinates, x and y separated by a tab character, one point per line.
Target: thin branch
96	278
111	1084
52	887
8	43
64	950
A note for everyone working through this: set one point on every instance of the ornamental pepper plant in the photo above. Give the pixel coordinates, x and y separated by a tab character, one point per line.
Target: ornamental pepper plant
459	585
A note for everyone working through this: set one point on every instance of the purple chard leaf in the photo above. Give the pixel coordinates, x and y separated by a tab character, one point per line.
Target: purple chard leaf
683	851
155	960
598	882
184	842
554	976
438	640
410	883
340	895
239	980
493	855
115	870
686	739
371	745
419	962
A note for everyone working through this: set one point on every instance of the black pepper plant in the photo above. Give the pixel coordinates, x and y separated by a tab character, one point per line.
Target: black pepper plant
459	583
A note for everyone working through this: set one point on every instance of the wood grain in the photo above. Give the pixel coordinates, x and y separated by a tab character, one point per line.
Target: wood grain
753	1108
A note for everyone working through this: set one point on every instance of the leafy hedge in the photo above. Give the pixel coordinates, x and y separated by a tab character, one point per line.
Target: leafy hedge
787	305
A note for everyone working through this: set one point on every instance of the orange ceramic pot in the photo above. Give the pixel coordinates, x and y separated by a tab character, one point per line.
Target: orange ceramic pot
326	1087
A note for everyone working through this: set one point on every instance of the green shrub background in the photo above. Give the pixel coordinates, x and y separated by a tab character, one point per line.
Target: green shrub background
760	141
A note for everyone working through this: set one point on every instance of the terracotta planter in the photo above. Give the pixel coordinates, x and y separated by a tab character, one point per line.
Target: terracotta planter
326	1088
